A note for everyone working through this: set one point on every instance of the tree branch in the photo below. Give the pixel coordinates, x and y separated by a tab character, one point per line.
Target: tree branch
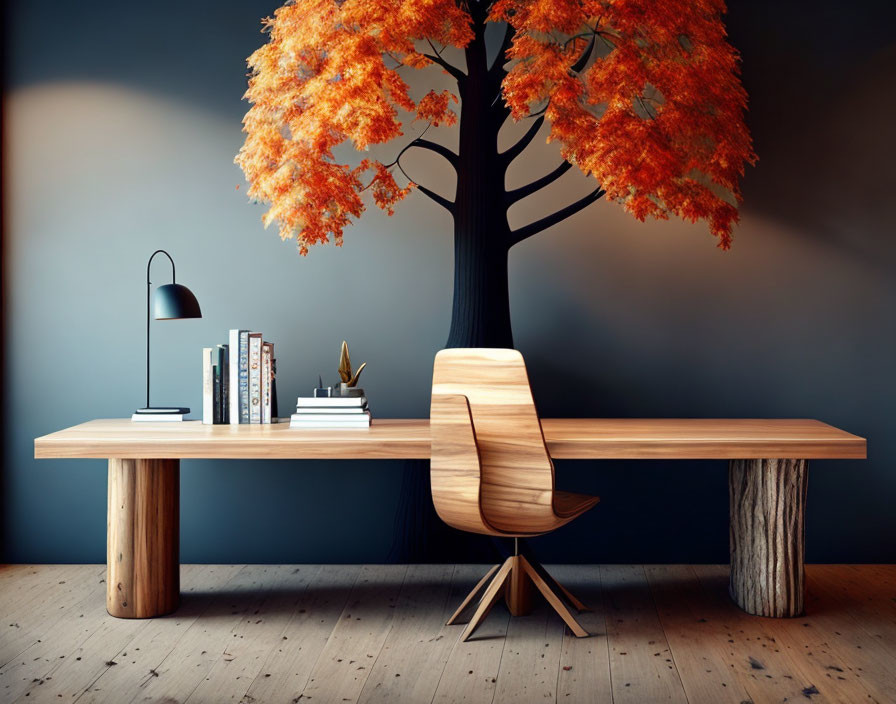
459	75
517	149
426	144
497	66
582	61
437	148
533	228
432	195
518	194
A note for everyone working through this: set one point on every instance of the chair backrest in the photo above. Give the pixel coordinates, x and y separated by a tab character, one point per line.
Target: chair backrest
514	480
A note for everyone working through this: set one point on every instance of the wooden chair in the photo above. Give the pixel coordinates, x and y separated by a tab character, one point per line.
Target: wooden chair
491	474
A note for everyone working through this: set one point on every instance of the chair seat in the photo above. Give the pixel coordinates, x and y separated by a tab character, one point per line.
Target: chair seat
569	505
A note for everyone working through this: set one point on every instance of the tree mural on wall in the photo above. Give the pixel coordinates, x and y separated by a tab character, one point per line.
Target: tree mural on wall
642	96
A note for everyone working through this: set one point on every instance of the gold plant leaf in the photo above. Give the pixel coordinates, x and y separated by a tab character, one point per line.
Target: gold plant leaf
354	381
345	364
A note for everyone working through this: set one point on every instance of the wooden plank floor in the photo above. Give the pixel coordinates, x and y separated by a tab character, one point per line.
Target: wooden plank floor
376	633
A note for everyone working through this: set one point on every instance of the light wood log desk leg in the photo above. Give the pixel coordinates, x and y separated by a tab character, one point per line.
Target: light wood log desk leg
768	509
142	538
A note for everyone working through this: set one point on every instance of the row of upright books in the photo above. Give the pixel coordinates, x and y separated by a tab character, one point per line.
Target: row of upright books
331	412
239	381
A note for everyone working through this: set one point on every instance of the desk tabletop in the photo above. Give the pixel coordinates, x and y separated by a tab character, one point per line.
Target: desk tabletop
566	438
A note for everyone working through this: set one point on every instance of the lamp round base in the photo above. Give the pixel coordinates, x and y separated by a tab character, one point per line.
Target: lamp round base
161	410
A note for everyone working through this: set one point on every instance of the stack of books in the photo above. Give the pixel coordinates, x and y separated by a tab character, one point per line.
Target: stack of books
239	381
332	412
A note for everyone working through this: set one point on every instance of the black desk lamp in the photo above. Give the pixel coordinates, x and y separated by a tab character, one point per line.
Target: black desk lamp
172	302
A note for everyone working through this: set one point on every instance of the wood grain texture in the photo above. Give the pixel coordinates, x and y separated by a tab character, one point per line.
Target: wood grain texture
142	656
455	468
779	659
516	476
641	663
645	638
384	439
566	438
584	675
493	592
873	604
292	658
516	581
53	641
767	535
698	438
704	671
358	637
191	658
553	599
143	537
419	640
491	472
64	678
531	659
471	671
60	590
243	657
518	588
474	595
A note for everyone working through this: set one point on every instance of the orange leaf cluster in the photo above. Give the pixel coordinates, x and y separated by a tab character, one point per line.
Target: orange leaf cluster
433	107
329	75
654	110
656	118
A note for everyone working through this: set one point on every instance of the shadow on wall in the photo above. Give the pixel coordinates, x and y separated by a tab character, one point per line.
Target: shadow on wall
826	168
615	318
651	321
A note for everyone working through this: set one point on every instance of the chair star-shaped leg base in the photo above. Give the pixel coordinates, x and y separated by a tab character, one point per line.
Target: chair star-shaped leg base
513	580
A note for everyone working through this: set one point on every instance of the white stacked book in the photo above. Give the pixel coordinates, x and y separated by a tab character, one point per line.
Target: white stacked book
331	412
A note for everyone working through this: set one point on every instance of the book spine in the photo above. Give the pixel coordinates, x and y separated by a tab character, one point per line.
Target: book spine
233	377
216	415
275	409
267	356
208	387
223	364
244	376
255	377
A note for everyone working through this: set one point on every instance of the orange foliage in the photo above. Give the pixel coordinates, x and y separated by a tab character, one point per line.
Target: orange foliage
655	115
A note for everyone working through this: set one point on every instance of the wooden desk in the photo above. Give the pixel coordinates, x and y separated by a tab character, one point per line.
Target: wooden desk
767	485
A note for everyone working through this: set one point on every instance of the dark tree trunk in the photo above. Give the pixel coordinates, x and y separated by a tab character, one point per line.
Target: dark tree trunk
480	315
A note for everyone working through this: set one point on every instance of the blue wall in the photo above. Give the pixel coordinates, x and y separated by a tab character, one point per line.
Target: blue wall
121	122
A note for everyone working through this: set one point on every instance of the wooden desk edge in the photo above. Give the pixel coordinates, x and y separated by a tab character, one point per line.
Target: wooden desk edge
843	446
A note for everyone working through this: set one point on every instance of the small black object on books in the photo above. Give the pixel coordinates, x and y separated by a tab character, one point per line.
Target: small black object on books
322	391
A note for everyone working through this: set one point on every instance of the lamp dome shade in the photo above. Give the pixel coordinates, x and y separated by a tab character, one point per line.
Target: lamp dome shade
173	301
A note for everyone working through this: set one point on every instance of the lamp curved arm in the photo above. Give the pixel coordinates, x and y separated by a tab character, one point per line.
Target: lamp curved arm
148	316
149	264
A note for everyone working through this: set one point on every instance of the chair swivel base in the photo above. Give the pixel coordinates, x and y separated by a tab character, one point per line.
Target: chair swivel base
513	580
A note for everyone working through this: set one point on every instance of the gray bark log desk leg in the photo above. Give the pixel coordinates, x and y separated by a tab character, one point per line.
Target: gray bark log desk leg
143	535
768	508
